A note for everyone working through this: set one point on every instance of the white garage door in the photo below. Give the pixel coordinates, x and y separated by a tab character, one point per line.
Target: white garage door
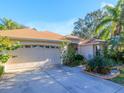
31	56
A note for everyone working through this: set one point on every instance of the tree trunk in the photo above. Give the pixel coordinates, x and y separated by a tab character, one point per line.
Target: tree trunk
118	30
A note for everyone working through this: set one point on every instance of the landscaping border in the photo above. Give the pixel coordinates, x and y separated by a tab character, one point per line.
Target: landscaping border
103	76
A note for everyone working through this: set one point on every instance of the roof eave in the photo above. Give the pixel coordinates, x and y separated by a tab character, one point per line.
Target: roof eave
36	39
89	44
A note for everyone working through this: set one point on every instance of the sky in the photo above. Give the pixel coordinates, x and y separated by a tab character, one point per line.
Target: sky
52	15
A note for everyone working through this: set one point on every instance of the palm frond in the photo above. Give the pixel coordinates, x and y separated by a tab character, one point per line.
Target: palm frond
104	22
119	3
112	11
2	27
105	34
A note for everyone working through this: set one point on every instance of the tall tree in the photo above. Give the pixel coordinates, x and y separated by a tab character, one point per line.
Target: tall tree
86	27
113	24
111	28
8	24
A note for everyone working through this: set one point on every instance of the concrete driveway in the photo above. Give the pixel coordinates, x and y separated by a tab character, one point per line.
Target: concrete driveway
56	80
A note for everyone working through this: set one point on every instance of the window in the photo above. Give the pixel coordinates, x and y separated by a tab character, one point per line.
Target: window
41	46
52	46
47	46
57	46
34	46
27	46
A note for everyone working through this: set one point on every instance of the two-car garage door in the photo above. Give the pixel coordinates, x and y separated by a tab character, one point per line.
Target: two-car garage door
32	55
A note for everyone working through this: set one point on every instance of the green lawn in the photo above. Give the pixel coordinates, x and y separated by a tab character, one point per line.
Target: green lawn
120	78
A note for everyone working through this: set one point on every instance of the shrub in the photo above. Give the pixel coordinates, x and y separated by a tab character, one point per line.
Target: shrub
4	58
81	59
115	55
1	70
77	60
70	58
100	65
121	56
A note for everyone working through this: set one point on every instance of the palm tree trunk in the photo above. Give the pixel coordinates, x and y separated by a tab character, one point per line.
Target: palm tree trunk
117	30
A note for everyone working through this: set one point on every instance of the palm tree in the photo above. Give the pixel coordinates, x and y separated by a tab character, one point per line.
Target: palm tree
8	24
113	24
111	27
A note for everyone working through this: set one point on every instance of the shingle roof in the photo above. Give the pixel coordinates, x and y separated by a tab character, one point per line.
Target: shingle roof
34	34
30	33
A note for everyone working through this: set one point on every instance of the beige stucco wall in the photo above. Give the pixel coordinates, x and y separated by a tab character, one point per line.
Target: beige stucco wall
86	51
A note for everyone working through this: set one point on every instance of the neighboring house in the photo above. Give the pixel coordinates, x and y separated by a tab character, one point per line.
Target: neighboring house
44	47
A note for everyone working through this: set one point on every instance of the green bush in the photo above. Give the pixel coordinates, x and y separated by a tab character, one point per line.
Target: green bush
100	65
1	70
4	58
81	59
75	60
115	55
121	56
70	58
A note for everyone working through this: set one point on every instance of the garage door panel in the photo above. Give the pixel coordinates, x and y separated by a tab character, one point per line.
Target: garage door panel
36	54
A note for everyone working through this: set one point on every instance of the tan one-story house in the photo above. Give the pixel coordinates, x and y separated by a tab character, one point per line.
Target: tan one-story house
44	47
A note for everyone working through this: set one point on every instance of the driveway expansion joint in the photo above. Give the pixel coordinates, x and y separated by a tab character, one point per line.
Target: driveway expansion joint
58	82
